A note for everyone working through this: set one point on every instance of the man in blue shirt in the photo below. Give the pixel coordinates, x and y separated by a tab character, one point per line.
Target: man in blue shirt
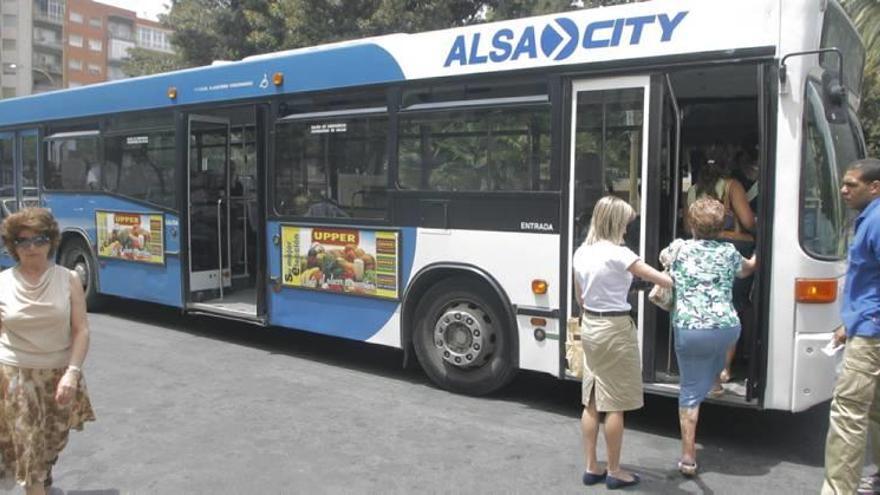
855	408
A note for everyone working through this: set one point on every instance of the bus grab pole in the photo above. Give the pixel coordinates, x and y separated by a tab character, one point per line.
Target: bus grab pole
220	242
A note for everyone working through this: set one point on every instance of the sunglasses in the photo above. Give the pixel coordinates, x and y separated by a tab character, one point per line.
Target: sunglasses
26	242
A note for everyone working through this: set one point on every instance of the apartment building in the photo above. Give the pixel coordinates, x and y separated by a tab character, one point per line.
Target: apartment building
52	44
31	46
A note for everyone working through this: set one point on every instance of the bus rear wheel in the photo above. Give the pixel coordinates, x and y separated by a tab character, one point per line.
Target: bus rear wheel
462	339
76	256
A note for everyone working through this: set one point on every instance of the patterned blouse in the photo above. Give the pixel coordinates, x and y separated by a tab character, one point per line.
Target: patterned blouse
704	271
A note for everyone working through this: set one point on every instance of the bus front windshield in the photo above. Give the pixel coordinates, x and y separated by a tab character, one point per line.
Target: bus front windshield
828	149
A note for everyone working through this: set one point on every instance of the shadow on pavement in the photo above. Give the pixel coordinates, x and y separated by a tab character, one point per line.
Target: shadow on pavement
758	440
58	491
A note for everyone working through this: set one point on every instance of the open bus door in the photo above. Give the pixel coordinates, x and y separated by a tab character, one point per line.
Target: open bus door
208	215
609	130
662	198
674	118
225	159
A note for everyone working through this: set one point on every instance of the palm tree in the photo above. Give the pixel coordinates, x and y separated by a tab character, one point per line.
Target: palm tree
866	16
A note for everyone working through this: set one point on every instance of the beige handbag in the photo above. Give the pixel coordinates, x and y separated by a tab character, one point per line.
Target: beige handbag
574	352
662	297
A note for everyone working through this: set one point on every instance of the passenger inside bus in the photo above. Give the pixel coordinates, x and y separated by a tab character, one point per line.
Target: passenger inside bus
323	207
746	172
715	177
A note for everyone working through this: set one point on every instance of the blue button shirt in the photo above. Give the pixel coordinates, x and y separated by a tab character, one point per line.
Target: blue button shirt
861	294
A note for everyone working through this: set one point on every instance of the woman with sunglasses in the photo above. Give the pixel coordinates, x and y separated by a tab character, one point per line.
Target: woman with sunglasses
44	338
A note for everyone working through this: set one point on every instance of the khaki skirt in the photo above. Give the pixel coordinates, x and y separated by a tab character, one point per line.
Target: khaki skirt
613	369
33	427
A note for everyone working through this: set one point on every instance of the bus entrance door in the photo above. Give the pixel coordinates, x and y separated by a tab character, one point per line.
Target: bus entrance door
208	190
18	176
18	170
608	157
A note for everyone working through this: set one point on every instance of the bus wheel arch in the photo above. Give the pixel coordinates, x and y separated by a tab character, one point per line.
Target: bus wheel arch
459	324
75	254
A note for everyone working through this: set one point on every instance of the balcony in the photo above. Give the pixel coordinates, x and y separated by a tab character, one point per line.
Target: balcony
50	44
118	50
47	67
121	36
53	19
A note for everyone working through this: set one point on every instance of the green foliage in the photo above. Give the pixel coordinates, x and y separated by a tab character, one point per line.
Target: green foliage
513	9
866	15
607	3
209	30
870	112
141	62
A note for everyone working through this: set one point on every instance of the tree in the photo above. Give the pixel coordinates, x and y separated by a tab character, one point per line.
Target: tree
209	30
513	9
866	16
141	62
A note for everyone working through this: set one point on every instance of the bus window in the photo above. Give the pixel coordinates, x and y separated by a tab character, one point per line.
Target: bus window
7	175
828	150
29	187
139	158
139	165
495	149
71	155
332	166
837	31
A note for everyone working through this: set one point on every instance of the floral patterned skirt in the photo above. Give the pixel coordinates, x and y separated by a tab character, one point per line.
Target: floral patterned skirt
33	427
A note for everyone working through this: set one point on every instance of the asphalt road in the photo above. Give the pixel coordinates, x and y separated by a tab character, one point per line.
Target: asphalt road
198	405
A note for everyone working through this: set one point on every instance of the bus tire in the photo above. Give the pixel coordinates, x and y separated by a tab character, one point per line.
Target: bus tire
76	256
461	337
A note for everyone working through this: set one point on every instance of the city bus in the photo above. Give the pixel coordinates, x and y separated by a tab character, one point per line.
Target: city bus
427	191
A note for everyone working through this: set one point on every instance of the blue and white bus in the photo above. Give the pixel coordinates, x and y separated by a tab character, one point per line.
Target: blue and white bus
426	191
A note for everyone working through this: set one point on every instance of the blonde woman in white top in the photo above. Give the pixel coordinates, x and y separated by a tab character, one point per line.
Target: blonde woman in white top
603	271
44	338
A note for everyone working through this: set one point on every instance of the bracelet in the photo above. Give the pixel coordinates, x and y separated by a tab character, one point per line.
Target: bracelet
75	369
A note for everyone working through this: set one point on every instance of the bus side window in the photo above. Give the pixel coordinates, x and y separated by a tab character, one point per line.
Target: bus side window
69	159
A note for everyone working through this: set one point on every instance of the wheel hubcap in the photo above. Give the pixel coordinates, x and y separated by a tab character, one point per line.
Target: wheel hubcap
82	270
463	335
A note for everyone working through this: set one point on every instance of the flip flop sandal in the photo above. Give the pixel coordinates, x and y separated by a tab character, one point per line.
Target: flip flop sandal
687	469
716	392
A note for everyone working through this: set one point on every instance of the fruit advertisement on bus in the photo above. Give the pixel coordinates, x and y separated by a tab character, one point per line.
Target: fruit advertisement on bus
350	261
131	236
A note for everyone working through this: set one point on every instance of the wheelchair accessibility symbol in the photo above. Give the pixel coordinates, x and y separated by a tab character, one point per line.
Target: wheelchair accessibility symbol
265	82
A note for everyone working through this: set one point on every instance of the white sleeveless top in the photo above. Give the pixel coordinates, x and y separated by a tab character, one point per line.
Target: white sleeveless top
35	329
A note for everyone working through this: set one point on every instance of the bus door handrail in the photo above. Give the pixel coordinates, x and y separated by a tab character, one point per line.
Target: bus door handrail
246	206
220	242
676	186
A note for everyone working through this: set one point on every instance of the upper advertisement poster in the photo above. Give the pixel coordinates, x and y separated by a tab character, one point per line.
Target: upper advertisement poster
131	236
350	261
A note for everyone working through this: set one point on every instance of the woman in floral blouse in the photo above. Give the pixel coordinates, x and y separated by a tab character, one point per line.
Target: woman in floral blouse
705	321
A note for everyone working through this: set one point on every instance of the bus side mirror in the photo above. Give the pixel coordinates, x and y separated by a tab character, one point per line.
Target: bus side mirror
834	96
834	93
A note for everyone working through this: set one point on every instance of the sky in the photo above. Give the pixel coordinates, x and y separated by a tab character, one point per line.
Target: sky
148	9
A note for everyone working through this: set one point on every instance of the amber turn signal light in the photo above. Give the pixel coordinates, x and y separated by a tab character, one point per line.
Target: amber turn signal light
538	322
539	286
172	92
815	291
278	79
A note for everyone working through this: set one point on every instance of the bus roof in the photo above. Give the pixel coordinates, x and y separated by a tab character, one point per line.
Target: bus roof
625	32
